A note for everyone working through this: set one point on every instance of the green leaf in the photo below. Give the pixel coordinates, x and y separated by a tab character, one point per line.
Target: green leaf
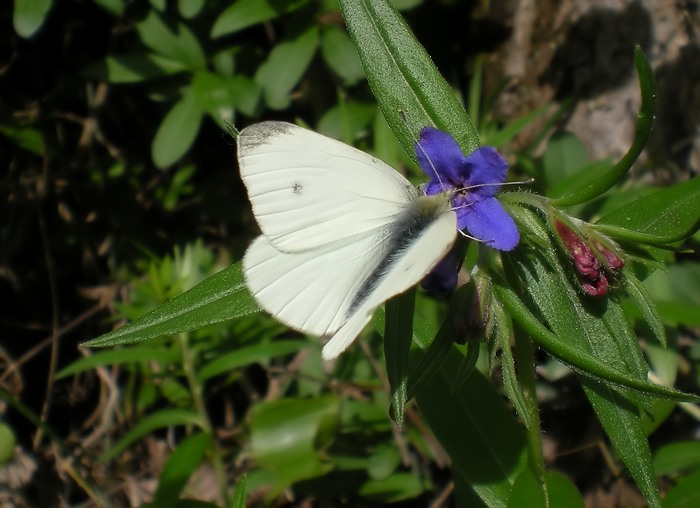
599	328
27	138
288	437
219	298
7	443
641	297
179	467
245	356
666	216
398	335
383	462
220	95
114	7
395	488
340	55
174	392
645	118
285	66
118	356
558	491
508	132
580	339
622	422
158	420
564	157
580	177
245	13
176	43
579	360
133	68
402	5
346	121
409	89
190	8
29	16
481	436
177	131
677	458
240	493
684	495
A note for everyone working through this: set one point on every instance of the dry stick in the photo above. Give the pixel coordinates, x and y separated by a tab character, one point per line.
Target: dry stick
54	319
47	341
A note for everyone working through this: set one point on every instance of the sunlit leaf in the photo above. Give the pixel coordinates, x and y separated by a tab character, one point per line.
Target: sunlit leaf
285	66
245	13
133	68
177	131
29	16
176	42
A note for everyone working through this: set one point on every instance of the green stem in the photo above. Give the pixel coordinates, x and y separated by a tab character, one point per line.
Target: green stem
200	408
526	198
645	118
524	351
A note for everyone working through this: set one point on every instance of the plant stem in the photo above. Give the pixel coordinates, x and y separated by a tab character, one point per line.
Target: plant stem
200	408
524	350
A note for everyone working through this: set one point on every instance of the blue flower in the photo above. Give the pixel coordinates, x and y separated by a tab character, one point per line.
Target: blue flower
474	179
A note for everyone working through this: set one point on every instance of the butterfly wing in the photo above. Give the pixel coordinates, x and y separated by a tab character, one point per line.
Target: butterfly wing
334	289
311	291
405	268
308	190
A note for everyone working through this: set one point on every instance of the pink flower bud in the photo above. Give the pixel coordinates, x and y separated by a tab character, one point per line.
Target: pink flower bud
596	288
585	261
611	259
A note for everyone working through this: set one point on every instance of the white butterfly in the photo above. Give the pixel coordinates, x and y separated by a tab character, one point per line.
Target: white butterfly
342	232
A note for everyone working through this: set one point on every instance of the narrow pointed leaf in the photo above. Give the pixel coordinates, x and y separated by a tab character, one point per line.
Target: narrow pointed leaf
599	328
408	87
219	298
245	13
398	335
179	467
484	440
666	216
158	420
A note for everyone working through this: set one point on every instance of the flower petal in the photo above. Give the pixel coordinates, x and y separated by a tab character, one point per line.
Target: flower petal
440	157
442	279
488	221
488	167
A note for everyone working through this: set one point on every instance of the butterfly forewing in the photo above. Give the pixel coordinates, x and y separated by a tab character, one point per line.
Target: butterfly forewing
308	190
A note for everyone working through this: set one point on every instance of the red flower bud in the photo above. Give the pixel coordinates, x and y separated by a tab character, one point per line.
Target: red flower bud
585	261
611	259
596	288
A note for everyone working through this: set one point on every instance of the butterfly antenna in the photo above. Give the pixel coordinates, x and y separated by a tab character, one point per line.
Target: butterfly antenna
476	186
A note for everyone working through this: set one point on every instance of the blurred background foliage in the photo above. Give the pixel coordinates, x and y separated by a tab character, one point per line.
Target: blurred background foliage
115	147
